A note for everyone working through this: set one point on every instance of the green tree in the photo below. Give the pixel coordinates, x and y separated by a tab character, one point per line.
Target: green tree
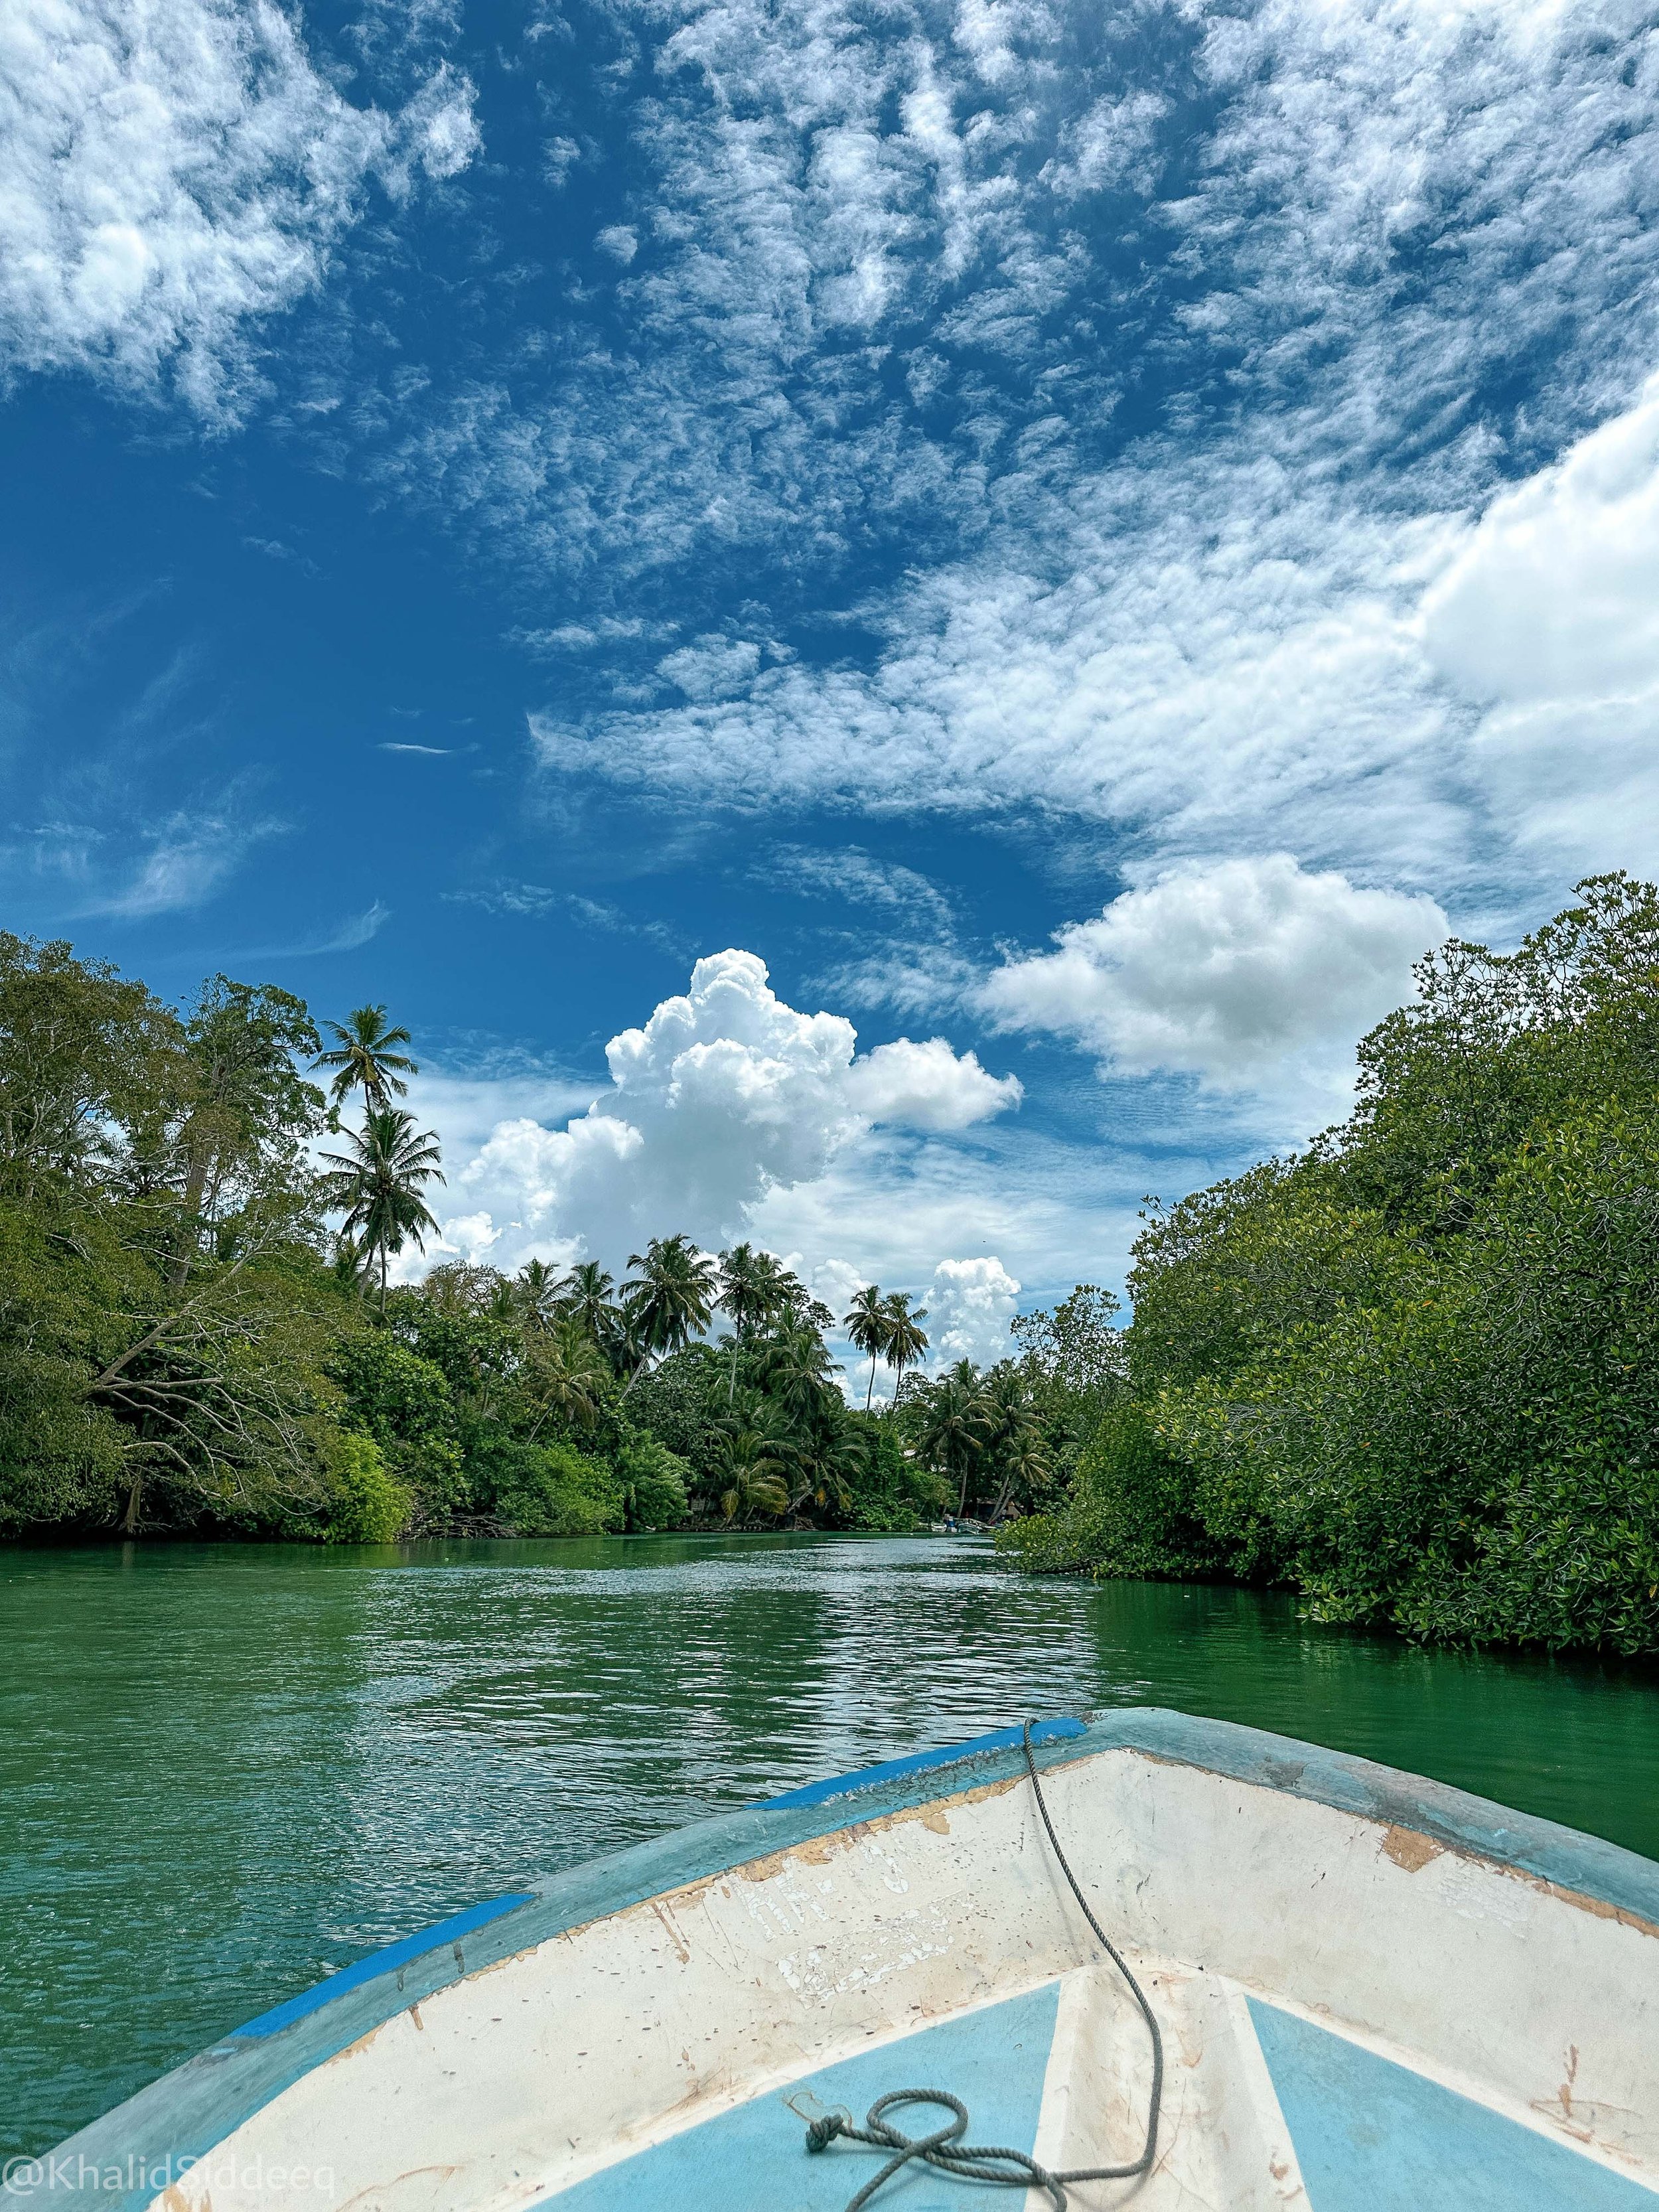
671	1298
539	1295
868	1323
86	1057
747	1289
367	1058
654	1484
954	1426
752	1475
378	1183
907	1340
586	1297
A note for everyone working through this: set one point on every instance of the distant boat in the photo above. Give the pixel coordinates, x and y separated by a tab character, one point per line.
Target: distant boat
1372	1993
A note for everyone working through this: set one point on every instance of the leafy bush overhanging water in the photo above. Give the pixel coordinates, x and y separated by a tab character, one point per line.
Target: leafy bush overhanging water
1415	1371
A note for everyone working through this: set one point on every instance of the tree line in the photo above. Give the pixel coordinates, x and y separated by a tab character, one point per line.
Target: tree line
199	1214
1412	1371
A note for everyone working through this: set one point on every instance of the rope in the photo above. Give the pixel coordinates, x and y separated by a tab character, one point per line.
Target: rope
943	2147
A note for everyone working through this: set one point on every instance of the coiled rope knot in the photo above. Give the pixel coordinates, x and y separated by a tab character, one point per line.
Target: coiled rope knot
979	2161
968	2161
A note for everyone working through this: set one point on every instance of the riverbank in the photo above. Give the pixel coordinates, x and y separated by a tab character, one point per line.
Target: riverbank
226	1769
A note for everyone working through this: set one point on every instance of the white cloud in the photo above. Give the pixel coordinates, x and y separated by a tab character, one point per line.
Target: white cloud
970	1303
167	174
189	857
465	1108
861	878
711	667
1555	594
1548	616
619	241
1220	671
438	127
726	1095
1234	971
927	1086
1410	257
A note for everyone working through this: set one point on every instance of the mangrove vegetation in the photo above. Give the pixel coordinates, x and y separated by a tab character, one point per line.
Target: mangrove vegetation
1411	1372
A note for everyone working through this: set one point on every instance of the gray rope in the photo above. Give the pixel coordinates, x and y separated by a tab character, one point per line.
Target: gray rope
944	2148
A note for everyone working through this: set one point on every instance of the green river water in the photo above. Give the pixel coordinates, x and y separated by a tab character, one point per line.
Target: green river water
225	1770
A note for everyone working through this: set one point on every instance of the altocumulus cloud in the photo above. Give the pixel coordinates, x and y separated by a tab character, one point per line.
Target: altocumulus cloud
1237	971
725	1095
167	174
1327	237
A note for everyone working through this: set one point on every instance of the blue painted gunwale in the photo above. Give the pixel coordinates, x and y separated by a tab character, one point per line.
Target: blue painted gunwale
185	2113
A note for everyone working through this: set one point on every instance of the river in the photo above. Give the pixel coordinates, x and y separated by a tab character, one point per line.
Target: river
225	1769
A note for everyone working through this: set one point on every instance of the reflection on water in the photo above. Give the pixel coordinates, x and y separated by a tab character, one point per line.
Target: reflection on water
225	1769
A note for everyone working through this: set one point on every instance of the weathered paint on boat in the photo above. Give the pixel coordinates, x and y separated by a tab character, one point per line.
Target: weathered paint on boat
1377	1994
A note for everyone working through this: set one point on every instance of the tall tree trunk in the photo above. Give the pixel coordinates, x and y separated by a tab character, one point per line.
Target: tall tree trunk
129	1518
383	1278
869	1395
194	1190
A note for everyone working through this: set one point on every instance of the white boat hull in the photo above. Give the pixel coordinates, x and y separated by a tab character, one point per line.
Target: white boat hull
1374	1993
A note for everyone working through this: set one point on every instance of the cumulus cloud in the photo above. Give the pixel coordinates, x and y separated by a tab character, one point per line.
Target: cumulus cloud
927	1087
1548	616
168	173
969	1304
1232	970
725	1095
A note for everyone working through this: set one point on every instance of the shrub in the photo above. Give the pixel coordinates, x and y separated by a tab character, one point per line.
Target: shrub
1132	1510
366	1504
405	1404
551	1489
654	1483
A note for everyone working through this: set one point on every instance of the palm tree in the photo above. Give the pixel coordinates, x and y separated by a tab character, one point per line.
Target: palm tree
834	1455
565	1371
539	1295
352	1258
378	1183
794	1368
907	1340
672	1298
746	1288
586	1297
1026	1460
953	1426
367	1059
1014	1441
869	1325
750	1473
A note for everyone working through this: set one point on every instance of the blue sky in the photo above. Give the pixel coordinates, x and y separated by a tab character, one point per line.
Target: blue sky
1080	540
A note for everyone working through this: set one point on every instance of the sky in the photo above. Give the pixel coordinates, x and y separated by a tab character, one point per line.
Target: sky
886	626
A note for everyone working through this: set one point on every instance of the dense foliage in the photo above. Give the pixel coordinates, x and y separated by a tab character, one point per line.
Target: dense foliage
198	1327
1415	1371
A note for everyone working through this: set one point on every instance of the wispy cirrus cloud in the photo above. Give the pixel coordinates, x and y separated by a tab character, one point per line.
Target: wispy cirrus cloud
851	875
189	858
